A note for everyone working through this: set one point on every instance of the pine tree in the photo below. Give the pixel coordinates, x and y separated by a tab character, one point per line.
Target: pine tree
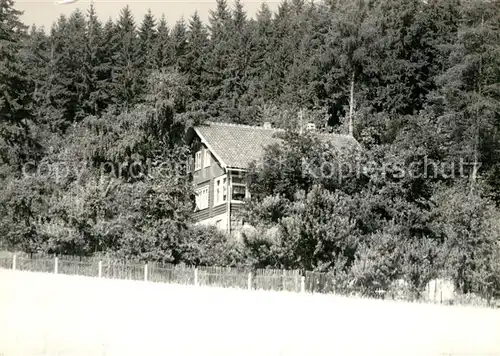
96	72
442	17
242	58
218	20
193	63
346	46
107	47
264	18
14	106
63	90
179	41
264	34
239	16
470	89
74	57
217	55
50	96
399	57
284	44
148	39
163	47
126	70
15	86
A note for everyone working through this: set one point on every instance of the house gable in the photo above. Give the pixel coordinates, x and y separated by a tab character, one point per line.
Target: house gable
236	146
231	148
203	176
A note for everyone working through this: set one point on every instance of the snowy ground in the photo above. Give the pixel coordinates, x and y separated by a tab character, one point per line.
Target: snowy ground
43	314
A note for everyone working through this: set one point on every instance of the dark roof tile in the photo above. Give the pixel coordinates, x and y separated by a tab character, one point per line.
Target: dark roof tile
236	146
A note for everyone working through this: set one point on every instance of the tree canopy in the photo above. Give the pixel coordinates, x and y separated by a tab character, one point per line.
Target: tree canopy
92	113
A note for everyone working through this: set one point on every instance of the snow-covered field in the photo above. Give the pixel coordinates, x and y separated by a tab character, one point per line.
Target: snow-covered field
43	314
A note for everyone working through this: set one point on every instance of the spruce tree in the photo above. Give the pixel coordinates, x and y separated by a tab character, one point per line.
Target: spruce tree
94	70
242	58
179	41
107	46
470	90
264	34
74	58
64	88
126	70
217	56
148	39
345	46
194	61
218	20
398	57
49	96
163	47
15	87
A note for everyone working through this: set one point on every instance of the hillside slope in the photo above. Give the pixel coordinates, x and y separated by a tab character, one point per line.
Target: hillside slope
44	314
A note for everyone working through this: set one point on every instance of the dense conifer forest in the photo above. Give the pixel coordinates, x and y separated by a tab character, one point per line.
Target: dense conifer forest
86	105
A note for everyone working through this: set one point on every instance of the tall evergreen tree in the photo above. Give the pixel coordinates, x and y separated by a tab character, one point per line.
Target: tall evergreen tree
74	60
218	20
50	96
264	34
15	87
217	56
179	41
239	16
284	44
62	93
106	68
398	57
95	68
163	47
193	63
126	70
148	39
470	89
346	46
242	58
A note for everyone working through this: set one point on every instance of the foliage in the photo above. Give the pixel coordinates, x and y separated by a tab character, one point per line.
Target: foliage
207	246
93	116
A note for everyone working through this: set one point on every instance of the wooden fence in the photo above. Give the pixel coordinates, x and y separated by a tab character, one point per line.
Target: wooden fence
260	279
228	277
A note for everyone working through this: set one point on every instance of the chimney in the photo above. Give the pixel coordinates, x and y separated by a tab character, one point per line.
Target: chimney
311	127
267	125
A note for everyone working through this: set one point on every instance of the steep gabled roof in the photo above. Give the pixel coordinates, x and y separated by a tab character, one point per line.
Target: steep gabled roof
236	146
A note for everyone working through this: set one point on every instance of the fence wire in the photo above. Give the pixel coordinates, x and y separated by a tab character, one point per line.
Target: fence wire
228	277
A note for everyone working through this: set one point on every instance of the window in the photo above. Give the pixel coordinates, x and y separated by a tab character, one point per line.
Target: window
202	198
189	164
239	192
206	159
220	190
197	161
238	186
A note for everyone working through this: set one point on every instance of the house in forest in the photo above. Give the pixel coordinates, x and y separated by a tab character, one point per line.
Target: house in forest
220	157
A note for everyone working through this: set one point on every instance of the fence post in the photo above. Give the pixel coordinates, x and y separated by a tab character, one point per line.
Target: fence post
146	272
196	276
302	284
56	265
14	261
100	269
249	280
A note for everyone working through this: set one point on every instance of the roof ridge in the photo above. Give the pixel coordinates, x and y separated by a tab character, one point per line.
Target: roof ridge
218	123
